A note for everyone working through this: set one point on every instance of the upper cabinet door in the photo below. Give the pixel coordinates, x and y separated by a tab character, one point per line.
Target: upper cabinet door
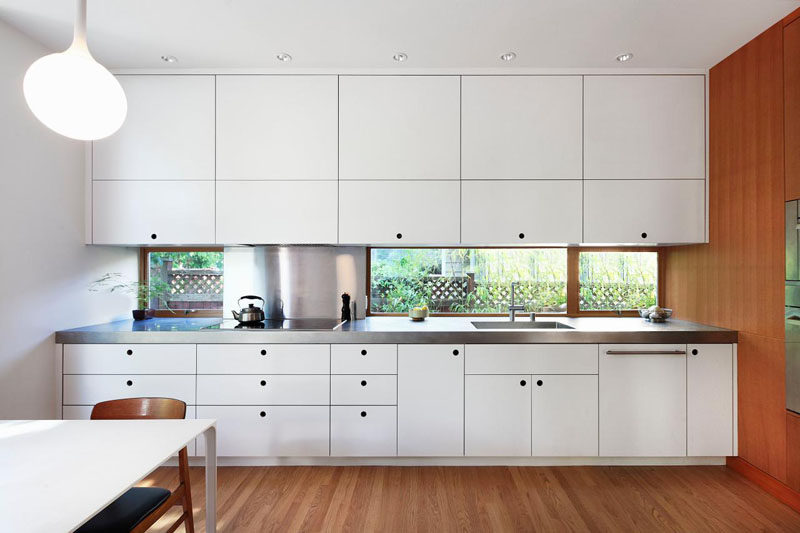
641	127
167	135
401	213
644	211
399	127
521	127
276	127
153	212
521	212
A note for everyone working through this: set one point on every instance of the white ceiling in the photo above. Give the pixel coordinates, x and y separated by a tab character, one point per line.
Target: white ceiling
354	34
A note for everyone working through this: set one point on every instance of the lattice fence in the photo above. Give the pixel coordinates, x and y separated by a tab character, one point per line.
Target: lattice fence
192	288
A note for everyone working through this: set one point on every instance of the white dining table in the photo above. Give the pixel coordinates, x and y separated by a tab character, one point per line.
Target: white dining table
57	474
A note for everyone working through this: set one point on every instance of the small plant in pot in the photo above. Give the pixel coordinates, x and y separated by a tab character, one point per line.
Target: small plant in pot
144	292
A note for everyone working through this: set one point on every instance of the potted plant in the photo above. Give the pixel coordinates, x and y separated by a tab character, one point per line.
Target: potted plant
143	292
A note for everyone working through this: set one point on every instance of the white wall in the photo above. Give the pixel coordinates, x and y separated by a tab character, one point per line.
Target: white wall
45	269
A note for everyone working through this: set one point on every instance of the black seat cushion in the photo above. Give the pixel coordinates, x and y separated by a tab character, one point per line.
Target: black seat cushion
125	512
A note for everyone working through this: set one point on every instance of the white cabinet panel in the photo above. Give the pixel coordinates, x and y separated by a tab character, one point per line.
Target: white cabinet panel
262	390
363	359
399	127
263	358
531	359
153	212
564	416
430	399
83	389
642	400
709	372
363	390
497	415
519	212
398	212
288	212
129	359
639	127
167	135
363	431
276	127
521	127
644	211
262	431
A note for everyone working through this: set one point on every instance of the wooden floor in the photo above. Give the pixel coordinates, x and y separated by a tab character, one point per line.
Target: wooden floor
483	499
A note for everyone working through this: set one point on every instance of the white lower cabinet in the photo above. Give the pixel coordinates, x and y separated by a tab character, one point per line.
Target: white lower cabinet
642	400
564	415
359	431
430	400
262	390
709	396
497	415
91	389
261	431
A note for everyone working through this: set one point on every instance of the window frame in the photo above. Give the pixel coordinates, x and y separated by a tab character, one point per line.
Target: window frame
573	278
144	277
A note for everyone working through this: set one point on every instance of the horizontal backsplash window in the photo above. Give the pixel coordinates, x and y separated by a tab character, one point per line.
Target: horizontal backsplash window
477	281
467	280
184	280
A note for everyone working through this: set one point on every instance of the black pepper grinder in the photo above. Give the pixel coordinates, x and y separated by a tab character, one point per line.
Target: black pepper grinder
345	306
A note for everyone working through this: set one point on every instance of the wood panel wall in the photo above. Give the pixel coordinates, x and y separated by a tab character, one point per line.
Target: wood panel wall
736	281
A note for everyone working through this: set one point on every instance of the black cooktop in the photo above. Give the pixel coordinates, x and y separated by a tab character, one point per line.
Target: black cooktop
294	324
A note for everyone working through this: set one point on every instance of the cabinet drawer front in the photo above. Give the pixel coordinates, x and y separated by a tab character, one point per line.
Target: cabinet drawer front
263	358
262	431
363	390
363	359
89	390
129	359
363	431
531	359
262	390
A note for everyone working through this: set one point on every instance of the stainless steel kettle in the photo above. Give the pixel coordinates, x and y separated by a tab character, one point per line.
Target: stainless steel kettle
251	313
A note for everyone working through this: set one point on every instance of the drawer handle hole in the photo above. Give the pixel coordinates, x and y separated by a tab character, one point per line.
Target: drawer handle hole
129	383
363	352
363	382
129	352
262	414
523	383
263	382
455	352
263	352
540	382
363	414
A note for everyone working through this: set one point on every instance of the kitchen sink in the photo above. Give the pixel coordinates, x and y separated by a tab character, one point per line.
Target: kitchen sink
520	325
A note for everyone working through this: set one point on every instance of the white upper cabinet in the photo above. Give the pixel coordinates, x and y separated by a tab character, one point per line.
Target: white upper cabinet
644	211
167	135
521	127
288	212
153	212
642	127
398	212
399	127
276	127
521	211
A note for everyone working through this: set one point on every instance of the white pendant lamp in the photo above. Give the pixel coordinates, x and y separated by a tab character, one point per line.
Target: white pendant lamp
72	94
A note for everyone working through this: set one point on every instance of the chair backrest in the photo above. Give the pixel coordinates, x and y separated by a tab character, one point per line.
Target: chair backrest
139	408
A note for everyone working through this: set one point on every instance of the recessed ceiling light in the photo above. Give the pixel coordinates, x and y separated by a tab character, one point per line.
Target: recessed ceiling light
400	57
627	56
283	56
169	59
508	56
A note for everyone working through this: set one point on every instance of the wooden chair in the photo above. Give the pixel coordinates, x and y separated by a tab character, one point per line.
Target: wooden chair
140	507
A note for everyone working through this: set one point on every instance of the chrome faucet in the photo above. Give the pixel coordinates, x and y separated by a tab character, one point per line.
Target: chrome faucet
512	309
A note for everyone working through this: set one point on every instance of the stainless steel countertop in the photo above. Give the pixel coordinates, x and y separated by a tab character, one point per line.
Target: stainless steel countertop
401	330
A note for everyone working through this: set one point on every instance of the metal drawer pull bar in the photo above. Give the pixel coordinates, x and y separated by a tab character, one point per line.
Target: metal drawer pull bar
644	352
